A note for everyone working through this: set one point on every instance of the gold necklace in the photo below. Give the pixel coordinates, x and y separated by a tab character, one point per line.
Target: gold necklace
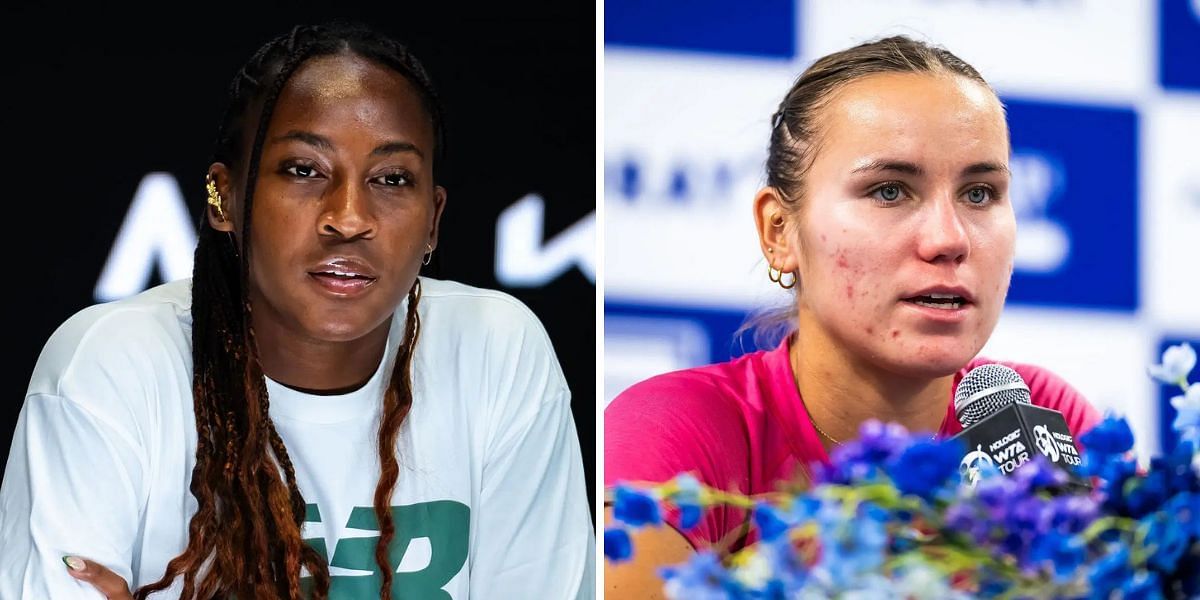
822	431
837	443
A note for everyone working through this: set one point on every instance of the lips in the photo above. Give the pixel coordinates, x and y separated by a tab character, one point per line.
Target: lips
343	276
941	298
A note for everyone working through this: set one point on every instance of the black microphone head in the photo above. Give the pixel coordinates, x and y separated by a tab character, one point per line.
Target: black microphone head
985	390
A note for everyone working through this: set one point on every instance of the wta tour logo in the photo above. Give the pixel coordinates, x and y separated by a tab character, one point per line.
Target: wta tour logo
1045	443
973	464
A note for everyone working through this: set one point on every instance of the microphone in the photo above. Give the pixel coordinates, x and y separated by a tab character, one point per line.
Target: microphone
1002	428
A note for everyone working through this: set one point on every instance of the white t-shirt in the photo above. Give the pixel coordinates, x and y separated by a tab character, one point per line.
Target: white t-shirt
490	501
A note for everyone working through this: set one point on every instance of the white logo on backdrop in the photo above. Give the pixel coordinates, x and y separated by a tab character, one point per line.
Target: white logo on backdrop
157	229
1043	244
523	260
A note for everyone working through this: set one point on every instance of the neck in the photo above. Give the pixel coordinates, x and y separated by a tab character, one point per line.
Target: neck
319	366
840	390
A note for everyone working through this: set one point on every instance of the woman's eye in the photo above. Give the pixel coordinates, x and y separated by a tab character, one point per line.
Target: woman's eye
302	171
889	193
979	195
395	179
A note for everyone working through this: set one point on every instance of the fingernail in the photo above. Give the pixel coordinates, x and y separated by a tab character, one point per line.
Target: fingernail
74	563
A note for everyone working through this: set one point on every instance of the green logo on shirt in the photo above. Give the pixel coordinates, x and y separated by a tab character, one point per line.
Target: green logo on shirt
444	523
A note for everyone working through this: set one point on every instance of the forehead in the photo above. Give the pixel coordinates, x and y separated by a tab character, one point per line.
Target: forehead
915	116
348	94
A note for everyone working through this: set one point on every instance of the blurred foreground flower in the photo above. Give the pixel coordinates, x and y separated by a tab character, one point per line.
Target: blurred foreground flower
890	516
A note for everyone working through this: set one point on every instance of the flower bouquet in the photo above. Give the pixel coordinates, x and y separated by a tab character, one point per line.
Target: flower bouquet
892	517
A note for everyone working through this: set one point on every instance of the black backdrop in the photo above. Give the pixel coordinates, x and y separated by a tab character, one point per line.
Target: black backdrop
94	102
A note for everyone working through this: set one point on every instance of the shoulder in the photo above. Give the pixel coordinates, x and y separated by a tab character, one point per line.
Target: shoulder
116	341
462	309
677	421
489	340
1048	390
717	389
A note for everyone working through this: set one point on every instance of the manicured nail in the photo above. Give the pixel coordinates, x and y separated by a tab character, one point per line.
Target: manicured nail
74	563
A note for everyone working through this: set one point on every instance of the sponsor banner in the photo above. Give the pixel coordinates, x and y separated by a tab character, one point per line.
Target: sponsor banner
642	340
1075	190
1179	44
766	28
1066	49
685	145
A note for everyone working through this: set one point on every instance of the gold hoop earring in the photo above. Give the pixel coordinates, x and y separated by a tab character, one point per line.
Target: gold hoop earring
214	197
428	255
776	276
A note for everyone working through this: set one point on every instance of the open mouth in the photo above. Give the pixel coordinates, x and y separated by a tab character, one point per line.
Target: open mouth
939	301
341	283
341	276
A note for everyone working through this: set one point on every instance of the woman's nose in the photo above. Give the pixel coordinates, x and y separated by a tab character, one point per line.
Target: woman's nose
347	213
944	237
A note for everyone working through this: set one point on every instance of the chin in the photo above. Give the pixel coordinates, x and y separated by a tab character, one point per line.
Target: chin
333	330
930	361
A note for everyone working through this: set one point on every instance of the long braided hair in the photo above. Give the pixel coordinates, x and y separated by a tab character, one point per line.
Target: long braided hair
245	540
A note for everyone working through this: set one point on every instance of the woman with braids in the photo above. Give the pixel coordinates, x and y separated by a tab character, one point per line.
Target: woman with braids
304	417
886	212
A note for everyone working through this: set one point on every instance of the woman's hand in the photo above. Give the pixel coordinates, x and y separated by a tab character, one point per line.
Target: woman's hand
110	584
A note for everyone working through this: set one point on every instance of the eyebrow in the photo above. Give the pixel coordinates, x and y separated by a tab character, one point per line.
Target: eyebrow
322	143
909	168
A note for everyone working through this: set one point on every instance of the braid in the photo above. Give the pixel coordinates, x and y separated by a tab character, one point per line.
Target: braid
397	401
245	538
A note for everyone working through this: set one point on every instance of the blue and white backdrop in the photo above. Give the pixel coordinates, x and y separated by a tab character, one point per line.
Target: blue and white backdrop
1103	101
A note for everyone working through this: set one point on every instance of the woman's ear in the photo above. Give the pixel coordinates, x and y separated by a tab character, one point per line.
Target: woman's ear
439	205
769	217
220	203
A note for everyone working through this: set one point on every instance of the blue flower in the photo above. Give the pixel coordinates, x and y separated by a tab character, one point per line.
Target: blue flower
926	467
770	526
1110	437
789	574
1184	509
702	577
1166	541
1143	586
1064	553
1187	417
1177	465
617	545
1144	495
965	518
1039	473
851	547
687	498
689	516
1177	362
862	460
1072	514
635	508
1110	572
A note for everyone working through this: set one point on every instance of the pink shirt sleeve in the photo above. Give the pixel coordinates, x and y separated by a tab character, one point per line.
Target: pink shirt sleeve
675	423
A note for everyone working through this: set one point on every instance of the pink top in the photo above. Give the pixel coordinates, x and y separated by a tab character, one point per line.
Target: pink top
741	425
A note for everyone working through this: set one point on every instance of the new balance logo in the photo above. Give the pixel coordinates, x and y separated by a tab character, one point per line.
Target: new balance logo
428	550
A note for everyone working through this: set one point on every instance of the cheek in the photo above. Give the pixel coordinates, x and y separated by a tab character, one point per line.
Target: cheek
846	282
